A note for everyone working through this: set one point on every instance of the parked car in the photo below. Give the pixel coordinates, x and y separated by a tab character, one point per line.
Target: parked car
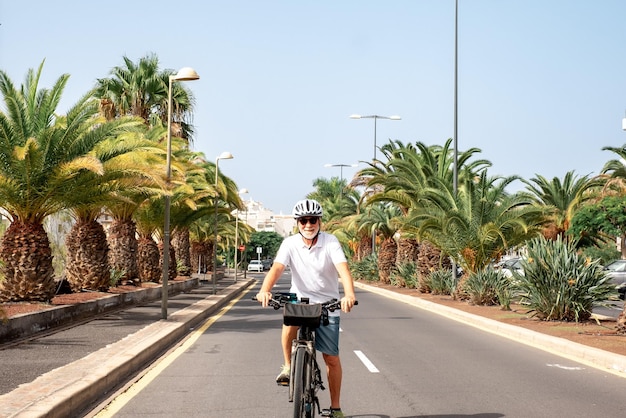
510	265
267	264
617	276
256	265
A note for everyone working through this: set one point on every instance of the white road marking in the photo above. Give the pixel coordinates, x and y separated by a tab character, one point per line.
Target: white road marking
565	367
370	366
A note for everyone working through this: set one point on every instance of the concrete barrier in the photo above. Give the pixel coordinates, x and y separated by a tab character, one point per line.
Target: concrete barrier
25	325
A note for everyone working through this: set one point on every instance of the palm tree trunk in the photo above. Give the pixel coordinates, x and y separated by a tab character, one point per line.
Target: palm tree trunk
387	259
87	257
148	260
365	248
200	256
123	248
408	251
171	267
429	260
180	240
26	264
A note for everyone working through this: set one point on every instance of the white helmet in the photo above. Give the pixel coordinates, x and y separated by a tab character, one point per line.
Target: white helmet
307	207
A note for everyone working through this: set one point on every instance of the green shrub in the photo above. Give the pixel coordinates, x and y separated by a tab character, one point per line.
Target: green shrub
366	269
405	275
116	275
441	282
489	287
559	284
606	253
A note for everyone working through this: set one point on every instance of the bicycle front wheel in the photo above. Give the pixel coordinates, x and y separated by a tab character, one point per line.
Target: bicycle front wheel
300	383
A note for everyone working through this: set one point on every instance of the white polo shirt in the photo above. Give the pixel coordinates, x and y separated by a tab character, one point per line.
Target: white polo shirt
313	272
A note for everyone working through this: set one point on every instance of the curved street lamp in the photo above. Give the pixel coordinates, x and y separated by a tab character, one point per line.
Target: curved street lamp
375	117
184	74
341	166
223	156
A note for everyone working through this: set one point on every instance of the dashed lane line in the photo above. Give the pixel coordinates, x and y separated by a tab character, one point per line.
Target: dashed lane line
370	366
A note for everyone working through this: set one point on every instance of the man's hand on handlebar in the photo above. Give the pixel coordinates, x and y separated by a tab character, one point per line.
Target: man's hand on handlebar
264	298
347	303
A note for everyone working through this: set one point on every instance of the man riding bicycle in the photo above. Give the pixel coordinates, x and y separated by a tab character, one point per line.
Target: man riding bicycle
317	264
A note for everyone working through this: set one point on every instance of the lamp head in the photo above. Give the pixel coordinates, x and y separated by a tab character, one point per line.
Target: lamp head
225	156
186	74
395	117
355	116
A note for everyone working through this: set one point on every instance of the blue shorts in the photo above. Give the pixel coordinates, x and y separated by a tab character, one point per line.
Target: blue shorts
327	337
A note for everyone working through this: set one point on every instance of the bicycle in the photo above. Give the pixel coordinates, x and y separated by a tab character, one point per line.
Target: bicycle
306	376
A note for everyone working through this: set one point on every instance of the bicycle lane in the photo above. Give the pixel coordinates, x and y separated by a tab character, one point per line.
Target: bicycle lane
226	367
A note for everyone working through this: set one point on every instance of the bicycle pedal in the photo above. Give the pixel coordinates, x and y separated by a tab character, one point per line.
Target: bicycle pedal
285	384
326	413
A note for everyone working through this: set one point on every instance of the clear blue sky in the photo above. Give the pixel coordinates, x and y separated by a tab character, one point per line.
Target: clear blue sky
542	83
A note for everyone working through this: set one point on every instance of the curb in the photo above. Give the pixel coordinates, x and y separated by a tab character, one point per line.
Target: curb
71	389
593	357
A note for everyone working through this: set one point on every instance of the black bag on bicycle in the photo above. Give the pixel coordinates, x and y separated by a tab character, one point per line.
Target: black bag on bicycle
302	315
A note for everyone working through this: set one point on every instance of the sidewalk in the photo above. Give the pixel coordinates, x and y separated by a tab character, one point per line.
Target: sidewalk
64	373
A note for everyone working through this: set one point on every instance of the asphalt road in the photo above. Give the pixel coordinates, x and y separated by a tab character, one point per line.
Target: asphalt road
399	361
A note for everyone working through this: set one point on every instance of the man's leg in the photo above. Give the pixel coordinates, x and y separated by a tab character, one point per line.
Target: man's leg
288	335
334	372
327	342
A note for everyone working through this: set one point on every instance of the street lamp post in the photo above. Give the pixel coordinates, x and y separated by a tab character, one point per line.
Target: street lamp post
223	156
341	166
375	117
242	191
184	74
455	161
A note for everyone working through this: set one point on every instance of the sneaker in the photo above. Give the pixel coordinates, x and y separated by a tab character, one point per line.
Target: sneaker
283	377
336	413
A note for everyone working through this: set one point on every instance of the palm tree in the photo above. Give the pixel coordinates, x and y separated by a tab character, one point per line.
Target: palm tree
227	200
42	157
190	199
339	203
141	89
197	209
561	199
147	185
127	164
409	171
478	224
199	205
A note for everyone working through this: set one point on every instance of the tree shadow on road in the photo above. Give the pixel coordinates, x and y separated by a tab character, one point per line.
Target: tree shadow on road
481	415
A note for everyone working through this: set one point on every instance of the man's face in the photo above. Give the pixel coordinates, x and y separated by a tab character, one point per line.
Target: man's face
309	226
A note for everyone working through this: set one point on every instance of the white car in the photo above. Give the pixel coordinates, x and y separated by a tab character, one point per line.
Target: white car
510	265
256	265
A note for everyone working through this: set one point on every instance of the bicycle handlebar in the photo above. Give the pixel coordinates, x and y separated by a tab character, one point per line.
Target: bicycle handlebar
283	298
